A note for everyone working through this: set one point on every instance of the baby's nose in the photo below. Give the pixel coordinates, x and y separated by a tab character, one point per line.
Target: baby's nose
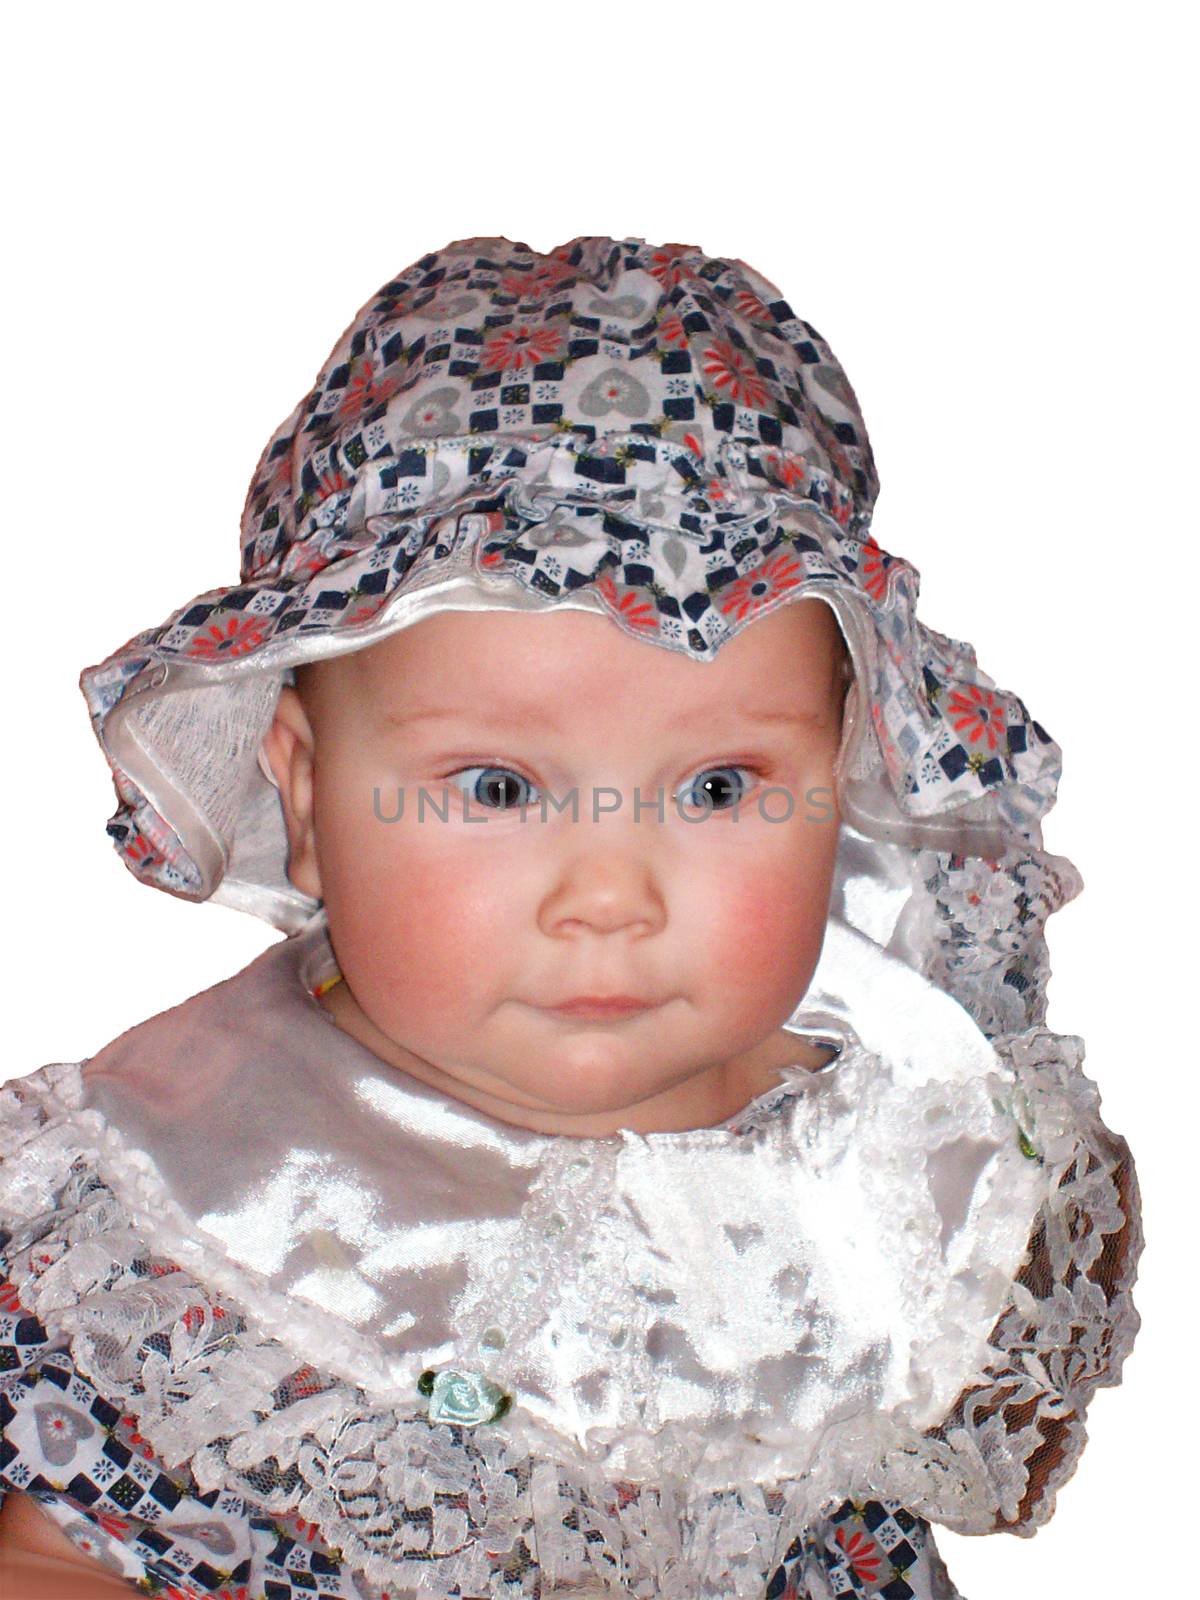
604	888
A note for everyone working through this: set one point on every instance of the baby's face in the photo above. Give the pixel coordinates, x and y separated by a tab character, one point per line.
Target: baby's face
462	927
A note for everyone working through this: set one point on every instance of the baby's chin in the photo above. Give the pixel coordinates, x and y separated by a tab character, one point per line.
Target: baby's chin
587	1079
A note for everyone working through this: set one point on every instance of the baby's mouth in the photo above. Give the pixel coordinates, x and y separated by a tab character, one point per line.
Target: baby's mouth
600	1008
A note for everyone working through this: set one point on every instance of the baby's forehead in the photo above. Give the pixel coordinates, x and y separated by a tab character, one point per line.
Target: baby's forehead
566	659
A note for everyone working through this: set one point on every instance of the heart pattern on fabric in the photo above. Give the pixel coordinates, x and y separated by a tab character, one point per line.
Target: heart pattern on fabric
61	1430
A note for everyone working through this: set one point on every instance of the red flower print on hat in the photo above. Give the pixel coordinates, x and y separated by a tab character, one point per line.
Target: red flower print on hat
672	331
978	714
734	374
531	285
237	636
667	265
141	852
751	306
521	346
786	469
332	481
366	611
280	475
874	569
637	612
761	585
365	390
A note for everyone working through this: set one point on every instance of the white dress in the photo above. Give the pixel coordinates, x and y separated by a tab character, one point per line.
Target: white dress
277	1315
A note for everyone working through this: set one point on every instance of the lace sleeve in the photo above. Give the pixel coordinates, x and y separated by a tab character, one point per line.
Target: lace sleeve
982	932
1070	1321
92	1471
998	1459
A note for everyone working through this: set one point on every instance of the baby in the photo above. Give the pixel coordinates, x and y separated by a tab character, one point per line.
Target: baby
643	1168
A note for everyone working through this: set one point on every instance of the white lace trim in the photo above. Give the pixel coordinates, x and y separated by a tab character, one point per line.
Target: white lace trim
982	930
434	1507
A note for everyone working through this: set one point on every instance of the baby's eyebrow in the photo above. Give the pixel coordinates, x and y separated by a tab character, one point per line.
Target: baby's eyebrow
542	716
796	717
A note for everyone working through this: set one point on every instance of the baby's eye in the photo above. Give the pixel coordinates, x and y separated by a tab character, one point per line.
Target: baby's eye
495	789
713	787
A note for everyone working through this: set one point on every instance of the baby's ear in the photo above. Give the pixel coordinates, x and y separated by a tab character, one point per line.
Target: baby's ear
287	747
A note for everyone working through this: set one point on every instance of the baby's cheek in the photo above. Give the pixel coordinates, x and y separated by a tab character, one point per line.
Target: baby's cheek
763	929
771	922
422	928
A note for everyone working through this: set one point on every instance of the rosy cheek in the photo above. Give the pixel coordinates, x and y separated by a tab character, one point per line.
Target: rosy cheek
421	923
770	925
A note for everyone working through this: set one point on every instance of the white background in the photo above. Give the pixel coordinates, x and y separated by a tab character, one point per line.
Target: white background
984	209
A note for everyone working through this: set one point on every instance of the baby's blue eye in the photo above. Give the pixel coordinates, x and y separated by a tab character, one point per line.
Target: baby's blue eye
495	789
716	789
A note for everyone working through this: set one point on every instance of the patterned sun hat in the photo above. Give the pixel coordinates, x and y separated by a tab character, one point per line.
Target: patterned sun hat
640	430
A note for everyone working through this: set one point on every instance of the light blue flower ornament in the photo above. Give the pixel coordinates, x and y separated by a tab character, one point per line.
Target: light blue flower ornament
465	1398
